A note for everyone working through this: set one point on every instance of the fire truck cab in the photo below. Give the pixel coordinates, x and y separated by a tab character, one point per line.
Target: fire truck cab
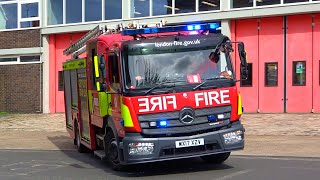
145	94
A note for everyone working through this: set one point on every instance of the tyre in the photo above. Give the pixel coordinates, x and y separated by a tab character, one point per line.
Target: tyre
81	148
112	151
216	158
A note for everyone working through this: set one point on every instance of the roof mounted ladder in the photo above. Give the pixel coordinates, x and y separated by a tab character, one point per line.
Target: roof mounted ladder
79	46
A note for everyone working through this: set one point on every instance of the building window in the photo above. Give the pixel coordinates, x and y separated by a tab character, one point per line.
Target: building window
271	74
267	2
8	16
294	1
241	3
209	5
73	11
247	82
29	10
8	59
183	6
113	9
161	7
28	15
140	8
299	73
93	10
55	12
29	58
20	59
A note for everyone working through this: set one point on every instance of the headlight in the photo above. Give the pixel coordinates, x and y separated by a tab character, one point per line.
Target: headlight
233	137
141	148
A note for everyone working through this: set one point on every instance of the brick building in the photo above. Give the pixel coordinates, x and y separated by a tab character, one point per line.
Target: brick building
280	36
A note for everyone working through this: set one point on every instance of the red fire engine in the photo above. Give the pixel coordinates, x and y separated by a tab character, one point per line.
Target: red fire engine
145	94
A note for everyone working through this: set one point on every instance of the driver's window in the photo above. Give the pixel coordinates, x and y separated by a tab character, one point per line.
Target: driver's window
114	74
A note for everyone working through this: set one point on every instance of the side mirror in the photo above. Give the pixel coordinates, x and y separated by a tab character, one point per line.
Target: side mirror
214	56
243	59
242	54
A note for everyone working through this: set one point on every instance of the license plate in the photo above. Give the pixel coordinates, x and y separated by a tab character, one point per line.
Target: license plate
189	143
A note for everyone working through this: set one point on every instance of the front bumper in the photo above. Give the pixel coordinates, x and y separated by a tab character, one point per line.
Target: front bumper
165	147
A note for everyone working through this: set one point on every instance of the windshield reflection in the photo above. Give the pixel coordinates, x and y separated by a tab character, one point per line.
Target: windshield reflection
145	71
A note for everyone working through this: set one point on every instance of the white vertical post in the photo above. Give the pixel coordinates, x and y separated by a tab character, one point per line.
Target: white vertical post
197	5
64	9
45	74
150	8
83	10
103	10
173	6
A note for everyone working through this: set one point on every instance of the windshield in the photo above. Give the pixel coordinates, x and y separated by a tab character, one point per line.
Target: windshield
145	71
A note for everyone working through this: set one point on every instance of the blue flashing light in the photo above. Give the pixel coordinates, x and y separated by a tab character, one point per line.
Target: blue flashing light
155	30
212	118
163	123
214	25
190	27
122	122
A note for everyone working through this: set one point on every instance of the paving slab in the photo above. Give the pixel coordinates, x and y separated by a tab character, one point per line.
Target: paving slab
266	134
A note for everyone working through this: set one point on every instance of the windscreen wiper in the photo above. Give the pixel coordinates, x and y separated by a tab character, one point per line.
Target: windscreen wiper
160	85
206	80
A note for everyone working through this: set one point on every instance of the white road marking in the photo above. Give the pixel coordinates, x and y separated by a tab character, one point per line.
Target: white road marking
235	174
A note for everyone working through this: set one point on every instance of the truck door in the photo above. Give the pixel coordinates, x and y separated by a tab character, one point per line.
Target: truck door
115	86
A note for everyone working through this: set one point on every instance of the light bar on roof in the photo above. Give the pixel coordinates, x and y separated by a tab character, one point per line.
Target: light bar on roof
154	30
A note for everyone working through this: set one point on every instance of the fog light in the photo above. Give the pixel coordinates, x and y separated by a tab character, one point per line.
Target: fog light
141	148
153	124
220	116
233	137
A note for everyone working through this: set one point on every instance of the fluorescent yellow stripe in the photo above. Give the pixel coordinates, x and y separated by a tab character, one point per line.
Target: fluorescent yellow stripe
96	66
239	104
98	86
125	114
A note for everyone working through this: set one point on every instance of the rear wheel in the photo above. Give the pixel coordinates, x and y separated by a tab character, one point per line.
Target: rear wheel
112	151
216	158
80	147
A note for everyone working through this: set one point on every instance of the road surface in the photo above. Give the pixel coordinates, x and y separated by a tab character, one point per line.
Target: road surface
60	165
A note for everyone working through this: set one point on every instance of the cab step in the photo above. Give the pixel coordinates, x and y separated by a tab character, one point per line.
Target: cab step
100	153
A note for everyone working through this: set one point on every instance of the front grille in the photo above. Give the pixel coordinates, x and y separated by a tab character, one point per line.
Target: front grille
175	126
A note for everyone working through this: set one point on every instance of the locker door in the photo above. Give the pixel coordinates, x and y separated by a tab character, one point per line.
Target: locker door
271	85
316	63
299	63
247	31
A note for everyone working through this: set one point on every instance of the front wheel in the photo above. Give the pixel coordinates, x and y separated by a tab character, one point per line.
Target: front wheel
216	158
112	151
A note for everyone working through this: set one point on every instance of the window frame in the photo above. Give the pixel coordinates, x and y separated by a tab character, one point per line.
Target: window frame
265	75
19	14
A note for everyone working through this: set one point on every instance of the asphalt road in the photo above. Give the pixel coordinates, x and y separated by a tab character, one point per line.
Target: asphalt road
60	165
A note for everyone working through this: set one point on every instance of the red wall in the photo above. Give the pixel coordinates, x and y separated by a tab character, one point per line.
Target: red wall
264	41
57	44
316	63
247	32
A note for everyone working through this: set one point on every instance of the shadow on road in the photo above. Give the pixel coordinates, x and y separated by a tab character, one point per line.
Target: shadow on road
171	167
